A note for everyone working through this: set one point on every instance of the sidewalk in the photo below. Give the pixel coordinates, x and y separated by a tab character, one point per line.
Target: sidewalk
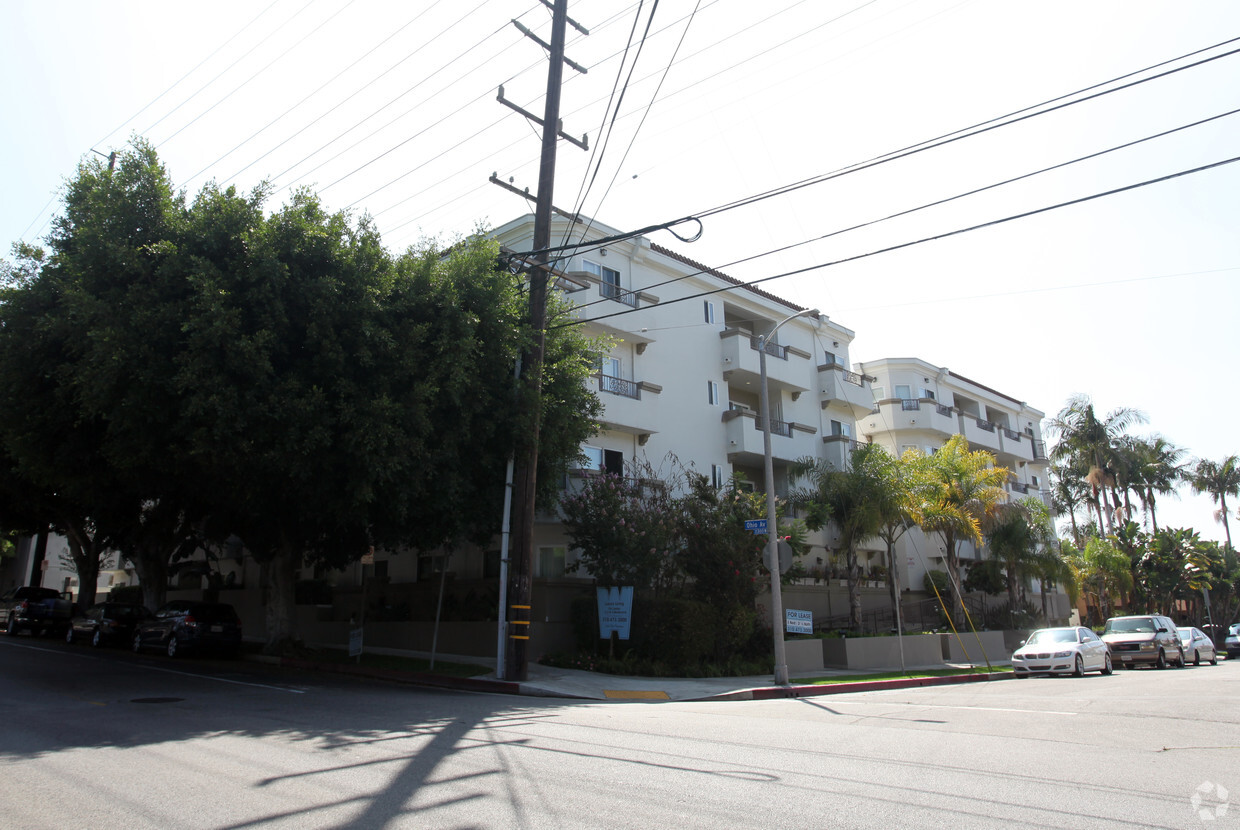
546	681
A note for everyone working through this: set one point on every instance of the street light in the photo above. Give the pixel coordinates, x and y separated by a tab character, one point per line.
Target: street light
772	548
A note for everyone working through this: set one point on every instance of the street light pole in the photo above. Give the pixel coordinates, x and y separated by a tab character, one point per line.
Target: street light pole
772	531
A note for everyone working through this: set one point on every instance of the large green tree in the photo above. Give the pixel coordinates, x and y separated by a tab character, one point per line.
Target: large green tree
206	369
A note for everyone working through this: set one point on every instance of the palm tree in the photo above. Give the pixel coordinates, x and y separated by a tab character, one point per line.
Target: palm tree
1091	441
848	498
1068	492
895	509
1105	568
1153	466
1018	532
1220	479
956	488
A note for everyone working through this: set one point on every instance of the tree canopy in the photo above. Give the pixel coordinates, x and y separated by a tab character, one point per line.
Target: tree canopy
199	368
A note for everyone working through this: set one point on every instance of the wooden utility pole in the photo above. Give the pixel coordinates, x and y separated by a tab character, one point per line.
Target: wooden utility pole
521	567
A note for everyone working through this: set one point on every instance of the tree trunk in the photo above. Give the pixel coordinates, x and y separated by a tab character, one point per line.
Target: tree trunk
82	549
892	589
281	572
854	591
152	569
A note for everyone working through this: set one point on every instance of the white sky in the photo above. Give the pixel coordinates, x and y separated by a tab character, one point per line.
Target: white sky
389	108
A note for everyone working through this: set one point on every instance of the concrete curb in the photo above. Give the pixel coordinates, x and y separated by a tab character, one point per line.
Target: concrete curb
482	684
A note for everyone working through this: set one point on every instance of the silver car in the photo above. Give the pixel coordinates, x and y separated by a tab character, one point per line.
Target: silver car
1149	638
1197	646
1073	650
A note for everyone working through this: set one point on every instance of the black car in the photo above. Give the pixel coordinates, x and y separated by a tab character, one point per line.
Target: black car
185	625
107	623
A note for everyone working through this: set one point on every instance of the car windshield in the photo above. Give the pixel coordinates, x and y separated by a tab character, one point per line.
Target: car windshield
1052	635
1133	625
125	612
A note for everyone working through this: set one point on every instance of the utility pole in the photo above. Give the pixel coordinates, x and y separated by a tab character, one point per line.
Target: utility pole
515	665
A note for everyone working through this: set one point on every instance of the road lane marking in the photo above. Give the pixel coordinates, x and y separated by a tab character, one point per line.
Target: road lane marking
289	689
946	706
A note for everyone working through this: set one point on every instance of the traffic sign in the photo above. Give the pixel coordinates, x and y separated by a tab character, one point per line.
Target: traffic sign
756	525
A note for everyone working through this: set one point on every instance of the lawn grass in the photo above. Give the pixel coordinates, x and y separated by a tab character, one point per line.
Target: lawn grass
856	678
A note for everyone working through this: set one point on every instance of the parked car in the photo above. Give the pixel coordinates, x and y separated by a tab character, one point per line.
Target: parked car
1150	638
1197	646
1232	643
108	623
184	625
35	610
1074	650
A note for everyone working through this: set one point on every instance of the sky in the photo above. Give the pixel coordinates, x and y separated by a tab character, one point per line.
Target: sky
390	109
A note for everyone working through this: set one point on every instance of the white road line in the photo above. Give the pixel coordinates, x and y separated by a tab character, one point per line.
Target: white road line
945	706
288	689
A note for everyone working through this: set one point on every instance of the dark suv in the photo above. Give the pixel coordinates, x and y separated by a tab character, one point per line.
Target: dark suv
184	625
1149	638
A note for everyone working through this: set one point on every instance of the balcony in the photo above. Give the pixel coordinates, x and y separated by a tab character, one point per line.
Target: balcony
1014	444
845	390
981	434
789	440
785	368
909	413
630	406
837	450
614	292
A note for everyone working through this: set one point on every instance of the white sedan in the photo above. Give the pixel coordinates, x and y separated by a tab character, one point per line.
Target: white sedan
1074	650
1197	646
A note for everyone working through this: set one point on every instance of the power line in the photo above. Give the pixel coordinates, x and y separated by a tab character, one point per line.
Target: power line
943	201
321	87
177	82
225	70
922	240
267	66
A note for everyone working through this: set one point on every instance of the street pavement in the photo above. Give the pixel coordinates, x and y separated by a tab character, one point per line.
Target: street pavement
548	681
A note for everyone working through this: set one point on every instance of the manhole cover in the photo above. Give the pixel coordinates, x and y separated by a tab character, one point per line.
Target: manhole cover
157	700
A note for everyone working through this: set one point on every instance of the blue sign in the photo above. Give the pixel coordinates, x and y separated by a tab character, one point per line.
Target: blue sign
799	622
756	525
615	611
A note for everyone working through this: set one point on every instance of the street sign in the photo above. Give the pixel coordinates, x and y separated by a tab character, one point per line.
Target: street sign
783	551
799	622
756	525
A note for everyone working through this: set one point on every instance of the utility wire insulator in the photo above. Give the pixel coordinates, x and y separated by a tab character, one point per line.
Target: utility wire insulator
584	143
525	31
571	22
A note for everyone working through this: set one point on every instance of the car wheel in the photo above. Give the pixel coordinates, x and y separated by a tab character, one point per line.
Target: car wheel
1196	657
1214	659
11	627
1162	660
69	636
137	643
171	648
96	639
1079	669
1183	662
1107	667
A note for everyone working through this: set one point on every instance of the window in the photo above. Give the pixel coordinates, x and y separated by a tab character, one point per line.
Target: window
594	457
838	428
739	407
927	394
708	311
834	359
1033	481
610	366
880	392
712	393
551	561
904	391
716	476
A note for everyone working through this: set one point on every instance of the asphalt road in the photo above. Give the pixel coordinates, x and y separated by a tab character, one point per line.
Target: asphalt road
112	740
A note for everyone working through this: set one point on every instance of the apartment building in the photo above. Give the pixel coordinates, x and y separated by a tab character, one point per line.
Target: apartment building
682	376
920	405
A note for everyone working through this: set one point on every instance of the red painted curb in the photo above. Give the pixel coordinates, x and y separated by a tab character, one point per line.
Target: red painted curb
777	692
